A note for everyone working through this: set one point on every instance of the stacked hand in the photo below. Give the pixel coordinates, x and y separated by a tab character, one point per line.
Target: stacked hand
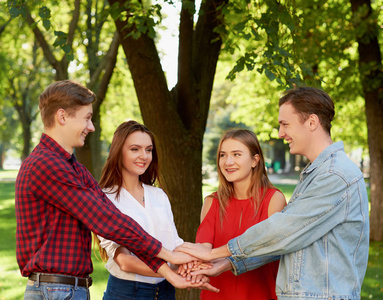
193	270
185	270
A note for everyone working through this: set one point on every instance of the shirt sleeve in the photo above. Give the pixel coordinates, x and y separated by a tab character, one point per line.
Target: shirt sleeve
296	227
109	246
206	230
72	189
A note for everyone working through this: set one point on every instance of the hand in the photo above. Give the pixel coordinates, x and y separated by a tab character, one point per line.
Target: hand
181	282
218	267
198	250
176	258
185	269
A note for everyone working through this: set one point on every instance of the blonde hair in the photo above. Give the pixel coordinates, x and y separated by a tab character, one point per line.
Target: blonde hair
259	180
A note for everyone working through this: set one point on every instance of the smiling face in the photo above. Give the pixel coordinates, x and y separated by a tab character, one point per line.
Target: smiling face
236	162
291	128
136	154
78	126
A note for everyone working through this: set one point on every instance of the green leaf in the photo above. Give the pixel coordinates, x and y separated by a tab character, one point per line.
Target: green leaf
47	24
44	13
270	74
14	12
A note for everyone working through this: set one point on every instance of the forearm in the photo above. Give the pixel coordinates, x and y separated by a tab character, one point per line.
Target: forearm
220	252
132	264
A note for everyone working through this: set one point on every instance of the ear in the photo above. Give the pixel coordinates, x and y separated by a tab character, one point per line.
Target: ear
61	116
313	121
255	161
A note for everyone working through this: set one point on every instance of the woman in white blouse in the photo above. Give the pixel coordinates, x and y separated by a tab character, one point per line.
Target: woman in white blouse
127	178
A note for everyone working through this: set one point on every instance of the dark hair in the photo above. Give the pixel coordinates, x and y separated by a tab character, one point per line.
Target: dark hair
309	100
65	94
111	175
259	179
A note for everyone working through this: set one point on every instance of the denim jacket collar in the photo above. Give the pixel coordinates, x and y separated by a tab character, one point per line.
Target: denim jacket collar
323	156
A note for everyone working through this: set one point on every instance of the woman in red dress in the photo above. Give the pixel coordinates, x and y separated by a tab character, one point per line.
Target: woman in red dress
245	197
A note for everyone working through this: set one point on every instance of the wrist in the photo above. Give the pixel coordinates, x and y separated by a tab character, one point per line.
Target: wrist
220	252
165	254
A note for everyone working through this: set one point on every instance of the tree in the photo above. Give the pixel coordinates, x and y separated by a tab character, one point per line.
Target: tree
101	59
371	73
177	117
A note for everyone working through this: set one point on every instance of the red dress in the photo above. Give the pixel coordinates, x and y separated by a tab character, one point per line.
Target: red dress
258	284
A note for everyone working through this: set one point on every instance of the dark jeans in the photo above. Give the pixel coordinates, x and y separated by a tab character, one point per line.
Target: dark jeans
119	289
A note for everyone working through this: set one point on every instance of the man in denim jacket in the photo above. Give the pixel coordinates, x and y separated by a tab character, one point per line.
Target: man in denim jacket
322	235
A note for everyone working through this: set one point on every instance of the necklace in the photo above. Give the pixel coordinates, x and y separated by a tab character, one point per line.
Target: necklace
143	199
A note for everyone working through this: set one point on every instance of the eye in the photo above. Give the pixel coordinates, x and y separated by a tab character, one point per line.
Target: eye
222	155
150	150
134	149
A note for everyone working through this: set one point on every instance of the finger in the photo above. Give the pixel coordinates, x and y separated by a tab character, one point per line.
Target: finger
209	287
200	272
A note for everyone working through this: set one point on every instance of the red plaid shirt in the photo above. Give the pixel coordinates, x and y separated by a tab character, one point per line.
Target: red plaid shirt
58	203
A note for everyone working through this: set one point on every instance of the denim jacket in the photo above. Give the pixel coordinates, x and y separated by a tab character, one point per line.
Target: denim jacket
321	236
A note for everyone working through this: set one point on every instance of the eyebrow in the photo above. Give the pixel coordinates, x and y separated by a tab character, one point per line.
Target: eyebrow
231	151
137	145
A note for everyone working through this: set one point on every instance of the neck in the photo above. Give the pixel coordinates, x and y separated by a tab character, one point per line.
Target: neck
240	190
59	138
318	147
131	184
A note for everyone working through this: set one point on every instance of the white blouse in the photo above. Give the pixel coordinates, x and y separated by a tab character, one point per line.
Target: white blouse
156	218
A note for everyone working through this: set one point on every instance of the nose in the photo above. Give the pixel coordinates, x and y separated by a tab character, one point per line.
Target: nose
229	160
144	154
91	126
281	132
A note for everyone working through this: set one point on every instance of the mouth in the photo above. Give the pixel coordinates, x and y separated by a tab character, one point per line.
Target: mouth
141	165
230	171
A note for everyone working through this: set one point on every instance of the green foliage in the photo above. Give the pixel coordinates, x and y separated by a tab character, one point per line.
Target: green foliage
268	27
121	103
19	8
61	41
146	16
372	287
45	15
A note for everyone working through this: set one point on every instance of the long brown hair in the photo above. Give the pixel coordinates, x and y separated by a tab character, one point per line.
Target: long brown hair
259	180
111	175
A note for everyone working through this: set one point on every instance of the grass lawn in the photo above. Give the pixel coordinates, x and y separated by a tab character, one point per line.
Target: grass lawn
12	285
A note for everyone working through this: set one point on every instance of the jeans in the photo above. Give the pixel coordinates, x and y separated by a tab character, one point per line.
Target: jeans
55	291
119	289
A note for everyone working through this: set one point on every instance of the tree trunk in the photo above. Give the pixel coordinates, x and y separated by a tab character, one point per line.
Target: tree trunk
370	67
26	138
178	118
2	156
